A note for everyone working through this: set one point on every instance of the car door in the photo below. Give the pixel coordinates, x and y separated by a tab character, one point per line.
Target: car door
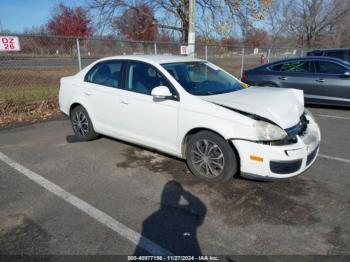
102	87
149	121
296	74
331	83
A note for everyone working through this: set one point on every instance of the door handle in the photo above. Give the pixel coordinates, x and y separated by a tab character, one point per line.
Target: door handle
124	101
321	80
87	93
283	78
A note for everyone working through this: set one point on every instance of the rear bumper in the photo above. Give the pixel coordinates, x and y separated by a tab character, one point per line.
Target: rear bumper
279	161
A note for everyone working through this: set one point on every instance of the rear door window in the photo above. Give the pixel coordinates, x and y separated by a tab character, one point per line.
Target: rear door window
323	67
293	67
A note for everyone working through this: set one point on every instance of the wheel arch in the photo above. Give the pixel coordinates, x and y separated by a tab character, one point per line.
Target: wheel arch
74	105
199	129
268	83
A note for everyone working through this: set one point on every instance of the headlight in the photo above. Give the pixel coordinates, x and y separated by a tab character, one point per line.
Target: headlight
269	132
309	114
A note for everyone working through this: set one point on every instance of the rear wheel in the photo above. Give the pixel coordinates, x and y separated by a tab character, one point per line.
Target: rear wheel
81	124
210	157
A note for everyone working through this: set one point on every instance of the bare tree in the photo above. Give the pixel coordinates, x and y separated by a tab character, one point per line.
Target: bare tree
276	22
310	20
341	34
212	29
177	11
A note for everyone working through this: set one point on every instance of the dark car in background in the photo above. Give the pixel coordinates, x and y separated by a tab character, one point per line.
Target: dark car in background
341	53
324	80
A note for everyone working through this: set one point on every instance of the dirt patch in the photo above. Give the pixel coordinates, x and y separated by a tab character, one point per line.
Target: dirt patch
334	238
18	112
153	161
241	201
20	235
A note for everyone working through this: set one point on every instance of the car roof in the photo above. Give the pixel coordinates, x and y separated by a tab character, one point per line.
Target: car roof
156	59
322	58
328	58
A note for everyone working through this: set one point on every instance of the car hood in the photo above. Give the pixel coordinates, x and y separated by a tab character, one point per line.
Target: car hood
281	106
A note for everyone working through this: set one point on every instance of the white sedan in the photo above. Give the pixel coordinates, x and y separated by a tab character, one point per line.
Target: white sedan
194	110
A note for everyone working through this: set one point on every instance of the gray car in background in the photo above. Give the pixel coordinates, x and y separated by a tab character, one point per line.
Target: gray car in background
341	53
324	80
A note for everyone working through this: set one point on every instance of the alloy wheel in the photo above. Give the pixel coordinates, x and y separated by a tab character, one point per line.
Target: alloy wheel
80	123
207	158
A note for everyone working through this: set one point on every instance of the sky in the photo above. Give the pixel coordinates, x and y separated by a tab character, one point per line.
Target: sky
16	15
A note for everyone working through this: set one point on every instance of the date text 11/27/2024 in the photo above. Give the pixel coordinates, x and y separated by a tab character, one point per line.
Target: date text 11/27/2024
173	258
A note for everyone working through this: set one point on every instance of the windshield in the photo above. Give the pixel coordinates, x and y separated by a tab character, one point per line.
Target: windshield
202	78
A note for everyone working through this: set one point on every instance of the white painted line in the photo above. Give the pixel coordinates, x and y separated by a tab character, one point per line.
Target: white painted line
335	158
93	212
336	117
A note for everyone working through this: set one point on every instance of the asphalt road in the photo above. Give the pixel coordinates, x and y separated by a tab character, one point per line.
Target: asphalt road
154	196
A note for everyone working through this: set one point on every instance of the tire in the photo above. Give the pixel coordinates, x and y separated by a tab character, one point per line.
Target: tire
82	125
210	166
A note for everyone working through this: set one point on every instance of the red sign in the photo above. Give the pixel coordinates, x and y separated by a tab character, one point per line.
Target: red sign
9	43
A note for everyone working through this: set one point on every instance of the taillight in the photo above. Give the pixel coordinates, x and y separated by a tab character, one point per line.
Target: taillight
244	77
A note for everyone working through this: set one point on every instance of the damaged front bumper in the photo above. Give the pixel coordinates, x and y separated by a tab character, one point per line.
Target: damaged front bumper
279	161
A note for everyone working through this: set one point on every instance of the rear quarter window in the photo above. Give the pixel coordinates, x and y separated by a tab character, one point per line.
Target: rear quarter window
275	67
107	73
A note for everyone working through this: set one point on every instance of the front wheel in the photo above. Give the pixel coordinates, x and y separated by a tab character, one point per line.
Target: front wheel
210	157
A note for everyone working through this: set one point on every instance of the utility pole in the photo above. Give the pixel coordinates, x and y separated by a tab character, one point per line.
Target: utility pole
191	29
1	29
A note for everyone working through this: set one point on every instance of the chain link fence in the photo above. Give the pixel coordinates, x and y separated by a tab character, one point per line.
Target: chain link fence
33	74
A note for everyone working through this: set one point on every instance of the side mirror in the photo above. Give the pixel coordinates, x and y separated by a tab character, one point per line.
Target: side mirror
161	92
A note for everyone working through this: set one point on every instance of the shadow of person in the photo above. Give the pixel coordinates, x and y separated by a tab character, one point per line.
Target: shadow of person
174	225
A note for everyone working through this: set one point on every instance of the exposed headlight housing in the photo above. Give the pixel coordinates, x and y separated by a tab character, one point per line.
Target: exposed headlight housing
310	115
269	132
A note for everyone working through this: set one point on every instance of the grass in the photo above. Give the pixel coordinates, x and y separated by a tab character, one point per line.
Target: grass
31	84
30	94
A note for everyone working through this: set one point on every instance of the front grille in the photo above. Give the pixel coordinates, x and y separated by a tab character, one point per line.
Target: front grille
311	156
285	167
299	128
